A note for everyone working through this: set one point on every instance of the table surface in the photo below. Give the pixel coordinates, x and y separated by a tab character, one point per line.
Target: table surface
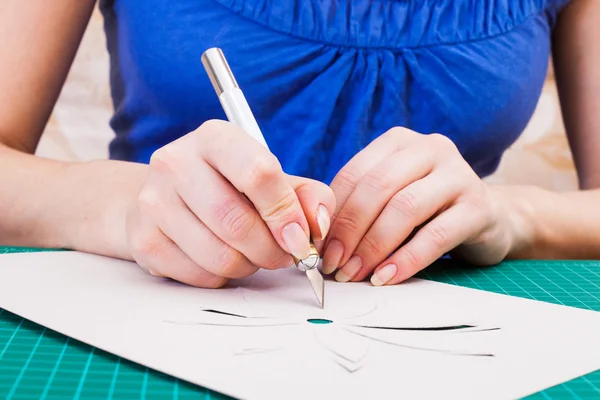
37	363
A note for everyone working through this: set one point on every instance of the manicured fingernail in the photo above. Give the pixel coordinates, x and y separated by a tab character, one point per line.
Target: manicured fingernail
332	257
384	275
323	220
349	270
296	240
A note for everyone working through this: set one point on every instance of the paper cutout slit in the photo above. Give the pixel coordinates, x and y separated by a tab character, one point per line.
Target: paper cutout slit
343	336
345	350
406	346
341	352
406	328
224	313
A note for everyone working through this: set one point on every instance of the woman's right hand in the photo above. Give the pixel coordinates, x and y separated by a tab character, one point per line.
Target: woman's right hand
190	221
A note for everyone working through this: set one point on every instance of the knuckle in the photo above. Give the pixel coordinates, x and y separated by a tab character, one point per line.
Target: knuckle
149	200
438	235
400	131
283	208
236	219
411	261
211	126
166	159
441	141
347	221
215	283
405	203
379	179
146	247
213	130
228	261
348	177
280	262
374	245
262	170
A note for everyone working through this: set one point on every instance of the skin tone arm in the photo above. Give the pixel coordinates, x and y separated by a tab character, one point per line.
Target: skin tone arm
568	225
182	216
39	205
576	64
414	197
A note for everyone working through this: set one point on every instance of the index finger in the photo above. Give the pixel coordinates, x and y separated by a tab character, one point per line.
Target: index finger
253	170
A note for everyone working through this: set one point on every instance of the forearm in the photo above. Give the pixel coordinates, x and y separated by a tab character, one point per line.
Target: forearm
567	225
551	225
576	55
82	206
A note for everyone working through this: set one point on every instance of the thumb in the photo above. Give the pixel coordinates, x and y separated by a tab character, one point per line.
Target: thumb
318	203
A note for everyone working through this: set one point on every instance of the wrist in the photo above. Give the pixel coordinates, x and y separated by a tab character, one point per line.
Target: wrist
527	209
98	224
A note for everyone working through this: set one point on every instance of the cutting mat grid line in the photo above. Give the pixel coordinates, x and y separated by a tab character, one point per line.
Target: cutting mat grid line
52	366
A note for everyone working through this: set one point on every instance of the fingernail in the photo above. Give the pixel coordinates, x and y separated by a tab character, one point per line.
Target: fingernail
323	220
349	270
296	240
332	257
384	275
154	273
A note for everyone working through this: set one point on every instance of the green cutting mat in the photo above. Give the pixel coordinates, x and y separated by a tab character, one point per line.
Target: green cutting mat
37	363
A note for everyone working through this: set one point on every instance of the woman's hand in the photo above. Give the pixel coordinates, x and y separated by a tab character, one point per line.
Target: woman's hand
191	223
406	200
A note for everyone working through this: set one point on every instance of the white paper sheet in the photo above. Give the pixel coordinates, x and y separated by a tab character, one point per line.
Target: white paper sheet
270	351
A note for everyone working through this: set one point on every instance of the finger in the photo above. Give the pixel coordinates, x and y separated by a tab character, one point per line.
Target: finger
408	209
447	231
162	257
318	202
255	171
224	211
372	194
181	226
347	178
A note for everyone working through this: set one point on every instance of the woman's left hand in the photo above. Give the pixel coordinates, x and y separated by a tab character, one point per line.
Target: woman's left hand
406	200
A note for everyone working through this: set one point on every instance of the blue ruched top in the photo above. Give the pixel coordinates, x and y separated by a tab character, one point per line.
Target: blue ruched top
326	77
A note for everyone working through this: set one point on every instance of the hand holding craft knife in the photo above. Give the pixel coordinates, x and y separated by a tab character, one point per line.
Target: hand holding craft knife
238	112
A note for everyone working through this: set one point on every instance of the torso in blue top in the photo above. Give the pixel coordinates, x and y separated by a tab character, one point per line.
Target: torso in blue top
326	77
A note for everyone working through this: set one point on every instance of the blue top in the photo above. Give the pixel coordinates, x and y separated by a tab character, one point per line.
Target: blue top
326	77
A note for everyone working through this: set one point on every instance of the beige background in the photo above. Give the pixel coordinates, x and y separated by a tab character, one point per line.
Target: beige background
78	129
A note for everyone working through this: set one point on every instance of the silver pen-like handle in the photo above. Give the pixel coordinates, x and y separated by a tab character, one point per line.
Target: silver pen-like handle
232	99
238	112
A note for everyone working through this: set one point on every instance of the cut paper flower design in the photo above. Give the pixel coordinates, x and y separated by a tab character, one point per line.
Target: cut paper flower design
344	334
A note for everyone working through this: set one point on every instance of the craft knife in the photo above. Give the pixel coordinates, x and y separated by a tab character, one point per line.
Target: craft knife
238	112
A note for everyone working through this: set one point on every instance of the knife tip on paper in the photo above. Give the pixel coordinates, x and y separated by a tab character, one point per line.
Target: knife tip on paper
318	285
